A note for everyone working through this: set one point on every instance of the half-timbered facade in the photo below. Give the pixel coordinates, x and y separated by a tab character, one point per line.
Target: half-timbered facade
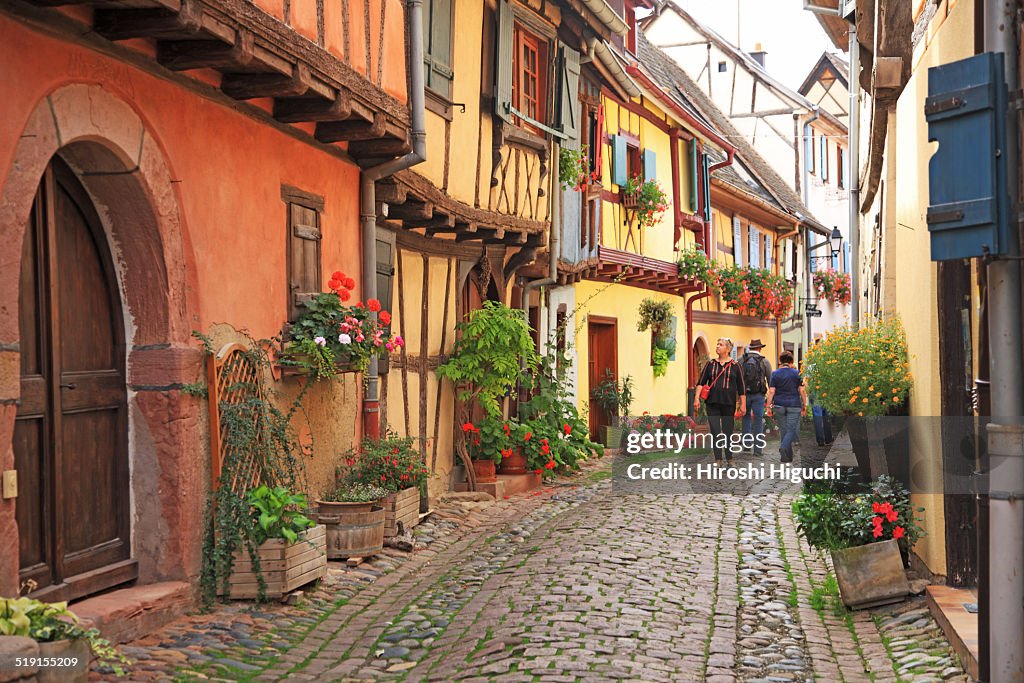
168	166
502	96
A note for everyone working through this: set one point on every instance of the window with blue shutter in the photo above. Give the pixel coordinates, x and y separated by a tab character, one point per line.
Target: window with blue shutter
737	241
503	62
823	142
650	165
569	95
619	160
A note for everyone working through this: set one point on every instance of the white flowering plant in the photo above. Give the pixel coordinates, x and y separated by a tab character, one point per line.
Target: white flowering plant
330	335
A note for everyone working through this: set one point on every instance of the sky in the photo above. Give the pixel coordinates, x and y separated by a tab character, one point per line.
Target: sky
792	37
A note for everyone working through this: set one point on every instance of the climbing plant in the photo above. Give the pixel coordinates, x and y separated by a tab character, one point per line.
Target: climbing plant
259	447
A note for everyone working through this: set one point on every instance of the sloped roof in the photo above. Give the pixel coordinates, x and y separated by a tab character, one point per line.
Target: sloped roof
749	172
826	61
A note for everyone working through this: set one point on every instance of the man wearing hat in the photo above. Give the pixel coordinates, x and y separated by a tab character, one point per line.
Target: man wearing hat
757	372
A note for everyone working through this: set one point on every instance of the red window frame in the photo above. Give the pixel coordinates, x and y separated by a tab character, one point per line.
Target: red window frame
529	76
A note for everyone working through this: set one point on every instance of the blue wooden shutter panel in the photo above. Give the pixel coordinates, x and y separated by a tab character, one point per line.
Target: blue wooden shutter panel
619	176
823	143
569	103
503	62
968	213
737	241
650	165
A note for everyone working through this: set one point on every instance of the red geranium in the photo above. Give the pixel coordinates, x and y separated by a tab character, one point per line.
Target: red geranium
373	305
385	317
567	429
898	532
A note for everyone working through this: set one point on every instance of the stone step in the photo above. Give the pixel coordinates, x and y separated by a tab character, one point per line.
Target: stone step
129	613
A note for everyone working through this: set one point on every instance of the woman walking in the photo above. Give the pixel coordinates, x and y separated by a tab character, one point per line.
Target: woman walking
720	385
786	396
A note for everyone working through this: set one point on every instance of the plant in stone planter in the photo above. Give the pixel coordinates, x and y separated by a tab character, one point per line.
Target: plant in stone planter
59	633
330	335
865	532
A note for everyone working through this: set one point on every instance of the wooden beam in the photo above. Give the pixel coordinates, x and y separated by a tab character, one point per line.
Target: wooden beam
342	131
181	55
412	211
379	149
123	24
244	86
392	193
298	109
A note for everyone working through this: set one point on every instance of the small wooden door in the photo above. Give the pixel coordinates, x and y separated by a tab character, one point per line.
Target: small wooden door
71	435
602	345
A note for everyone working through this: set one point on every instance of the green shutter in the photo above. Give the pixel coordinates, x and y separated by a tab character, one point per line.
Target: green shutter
437	35
650	165
569	98
503	64
619	174
706	175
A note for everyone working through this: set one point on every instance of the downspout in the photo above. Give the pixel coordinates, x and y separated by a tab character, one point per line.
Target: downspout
368	203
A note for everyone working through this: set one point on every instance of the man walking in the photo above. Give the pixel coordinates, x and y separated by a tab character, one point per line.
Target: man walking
757	372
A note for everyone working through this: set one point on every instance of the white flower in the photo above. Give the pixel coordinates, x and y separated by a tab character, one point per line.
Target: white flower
344	339
320	341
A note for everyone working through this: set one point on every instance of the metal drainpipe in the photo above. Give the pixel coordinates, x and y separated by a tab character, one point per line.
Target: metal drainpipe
1005	433
368	202
553	246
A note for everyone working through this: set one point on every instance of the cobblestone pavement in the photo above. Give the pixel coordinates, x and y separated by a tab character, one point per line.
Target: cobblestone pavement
575	583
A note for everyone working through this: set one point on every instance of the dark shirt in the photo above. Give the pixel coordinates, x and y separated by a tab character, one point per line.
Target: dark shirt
787	383
728	385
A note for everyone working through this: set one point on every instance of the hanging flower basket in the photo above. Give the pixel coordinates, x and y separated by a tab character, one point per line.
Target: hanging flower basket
755	292
832	286
646	198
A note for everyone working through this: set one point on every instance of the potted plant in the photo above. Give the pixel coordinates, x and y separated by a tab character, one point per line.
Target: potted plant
492	349
394	464
59	634
866	533
574	168
832	286
354	519
749	291
614	398
281	534
865	375
331	336
646	198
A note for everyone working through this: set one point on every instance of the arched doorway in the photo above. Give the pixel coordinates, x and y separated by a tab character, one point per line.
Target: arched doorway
701	355
71	431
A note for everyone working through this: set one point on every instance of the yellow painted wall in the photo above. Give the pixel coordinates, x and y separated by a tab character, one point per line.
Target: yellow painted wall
908	250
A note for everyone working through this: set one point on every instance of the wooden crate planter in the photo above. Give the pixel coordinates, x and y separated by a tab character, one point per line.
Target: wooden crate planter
401	507
285	566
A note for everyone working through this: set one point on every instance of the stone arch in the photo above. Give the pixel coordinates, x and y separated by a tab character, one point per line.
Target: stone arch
124	170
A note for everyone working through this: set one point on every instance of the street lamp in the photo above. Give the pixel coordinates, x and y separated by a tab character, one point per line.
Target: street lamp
835	241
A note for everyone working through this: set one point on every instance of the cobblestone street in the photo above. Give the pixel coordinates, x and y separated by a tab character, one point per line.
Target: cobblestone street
575	583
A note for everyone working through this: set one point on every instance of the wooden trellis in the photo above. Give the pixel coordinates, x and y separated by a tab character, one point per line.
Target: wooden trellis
233	377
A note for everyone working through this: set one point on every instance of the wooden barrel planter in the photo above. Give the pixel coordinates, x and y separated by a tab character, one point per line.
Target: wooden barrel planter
401	511
356	530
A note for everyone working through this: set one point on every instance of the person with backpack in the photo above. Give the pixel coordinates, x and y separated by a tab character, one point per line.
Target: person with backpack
787	395
720	385
757	372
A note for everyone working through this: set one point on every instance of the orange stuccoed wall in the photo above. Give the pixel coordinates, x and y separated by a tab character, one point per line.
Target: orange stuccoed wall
223	176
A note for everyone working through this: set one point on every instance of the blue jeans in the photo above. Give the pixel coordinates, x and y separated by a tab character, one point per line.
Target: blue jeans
754	417
789	423
822	423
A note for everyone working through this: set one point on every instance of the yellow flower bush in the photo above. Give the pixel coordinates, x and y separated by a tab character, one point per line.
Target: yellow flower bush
836	365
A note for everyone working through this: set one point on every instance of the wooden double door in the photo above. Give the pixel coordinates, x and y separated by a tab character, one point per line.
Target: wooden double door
71	431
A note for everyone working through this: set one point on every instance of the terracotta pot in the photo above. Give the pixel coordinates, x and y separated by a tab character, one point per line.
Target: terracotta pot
514	464
871	575
484	470
77	649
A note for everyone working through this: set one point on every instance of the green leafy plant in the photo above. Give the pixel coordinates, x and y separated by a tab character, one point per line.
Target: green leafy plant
863	372
832	520
390	462
355	493
47	622
485	363
278	513
694	264
613	397
329	332
655	316
574	168
651	201
660	362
